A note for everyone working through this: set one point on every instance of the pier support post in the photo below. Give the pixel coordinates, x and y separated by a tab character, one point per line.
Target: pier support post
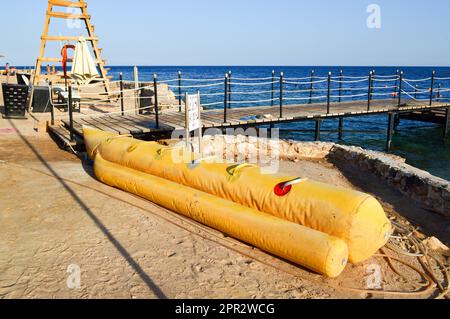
396	122
122	108
341	128
389	132
446	122
317	131
70	106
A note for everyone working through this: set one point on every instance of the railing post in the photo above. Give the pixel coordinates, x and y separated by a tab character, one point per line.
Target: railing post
329	93
281	94
180	98
432	87
396	83
229	89
70	107
372	84
137	106
341	76
369	93
273	87
415	91
225	99
155	87
311	89
400	89
52	110
439	92
122	108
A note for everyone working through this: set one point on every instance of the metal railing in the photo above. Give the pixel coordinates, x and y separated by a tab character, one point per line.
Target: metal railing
238	92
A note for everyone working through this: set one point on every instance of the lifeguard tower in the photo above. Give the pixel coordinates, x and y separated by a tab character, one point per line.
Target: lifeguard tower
75	11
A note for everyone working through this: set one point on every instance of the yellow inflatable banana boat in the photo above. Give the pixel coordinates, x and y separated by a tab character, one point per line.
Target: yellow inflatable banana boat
355	218
314	250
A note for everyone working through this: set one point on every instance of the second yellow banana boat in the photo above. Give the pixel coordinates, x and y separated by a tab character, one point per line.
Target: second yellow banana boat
357	219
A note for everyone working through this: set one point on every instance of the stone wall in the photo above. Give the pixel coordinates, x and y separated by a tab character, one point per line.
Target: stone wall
244	147
421	186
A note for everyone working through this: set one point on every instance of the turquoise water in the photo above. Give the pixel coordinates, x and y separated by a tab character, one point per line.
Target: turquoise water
420	143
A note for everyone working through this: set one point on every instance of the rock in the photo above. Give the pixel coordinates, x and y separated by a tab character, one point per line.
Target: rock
435	244
199	269
166	98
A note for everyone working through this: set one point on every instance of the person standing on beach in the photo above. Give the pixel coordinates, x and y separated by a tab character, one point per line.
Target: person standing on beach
9	71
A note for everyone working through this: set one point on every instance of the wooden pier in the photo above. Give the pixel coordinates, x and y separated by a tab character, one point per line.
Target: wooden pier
291	100
146	126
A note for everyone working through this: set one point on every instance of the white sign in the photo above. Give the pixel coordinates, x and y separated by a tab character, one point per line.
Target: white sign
193	120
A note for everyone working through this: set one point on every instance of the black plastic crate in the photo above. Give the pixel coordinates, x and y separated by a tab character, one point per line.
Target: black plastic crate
15	99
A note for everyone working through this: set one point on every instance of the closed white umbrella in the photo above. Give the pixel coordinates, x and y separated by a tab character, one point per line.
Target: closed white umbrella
84	69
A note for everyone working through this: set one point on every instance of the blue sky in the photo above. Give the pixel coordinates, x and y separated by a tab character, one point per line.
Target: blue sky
244	32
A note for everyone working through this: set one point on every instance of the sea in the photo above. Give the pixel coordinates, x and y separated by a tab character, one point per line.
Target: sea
421	144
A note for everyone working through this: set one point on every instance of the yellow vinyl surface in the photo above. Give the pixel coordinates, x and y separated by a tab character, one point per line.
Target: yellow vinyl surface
352	216
314	250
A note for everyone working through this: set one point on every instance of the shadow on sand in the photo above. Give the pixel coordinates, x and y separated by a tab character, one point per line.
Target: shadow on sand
136	267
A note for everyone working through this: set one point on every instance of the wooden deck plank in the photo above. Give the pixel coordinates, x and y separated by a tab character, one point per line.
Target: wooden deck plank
145	125
174	119
79	123
124	124
104	121
150	123
100	125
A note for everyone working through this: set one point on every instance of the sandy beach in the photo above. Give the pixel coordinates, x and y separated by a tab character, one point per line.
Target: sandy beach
55	214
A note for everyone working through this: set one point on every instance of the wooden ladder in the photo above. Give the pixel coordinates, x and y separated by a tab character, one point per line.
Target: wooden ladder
91	38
